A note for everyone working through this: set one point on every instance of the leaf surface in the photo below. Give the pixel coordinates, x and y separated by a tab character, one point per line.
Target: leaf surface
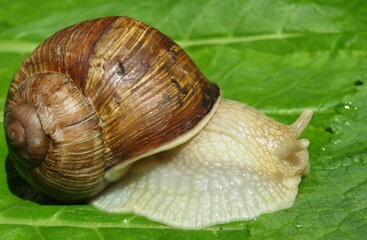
278	56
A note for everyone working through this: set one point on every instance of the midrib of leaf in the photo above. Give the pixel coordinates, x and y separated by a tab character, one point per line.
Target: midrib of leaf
17	46
234	40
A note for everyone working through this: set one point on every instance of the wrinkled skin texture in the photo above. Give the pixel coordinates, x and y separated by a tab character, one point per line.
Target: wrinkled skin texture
242	164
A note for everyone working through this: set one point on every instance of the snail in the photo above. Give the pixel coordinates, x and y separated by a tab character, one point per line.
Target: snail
114	112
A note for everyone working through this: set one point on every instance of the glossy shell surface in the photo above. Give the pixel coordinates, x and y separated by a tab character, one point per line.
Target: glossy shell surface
106	91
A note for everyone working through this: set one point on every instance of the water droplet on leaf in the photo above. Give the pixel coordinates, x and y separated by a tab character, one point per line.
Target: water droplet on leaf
347	109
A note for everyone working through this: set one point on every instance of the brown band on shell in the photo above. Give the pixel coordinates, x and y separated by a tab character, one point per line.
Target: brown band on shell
160	95
66	52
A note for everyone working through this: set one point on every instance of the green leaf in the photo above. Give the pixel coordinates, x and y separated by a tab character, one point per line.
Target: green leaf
278	56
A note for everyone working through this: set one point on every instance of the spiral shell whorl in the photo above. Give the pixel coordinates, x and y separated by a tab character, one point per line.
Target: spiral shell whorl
62	154
25	135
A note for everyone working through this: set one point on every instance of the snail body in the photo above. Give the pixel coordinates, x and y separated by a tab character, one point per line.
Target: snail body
112	97
242	164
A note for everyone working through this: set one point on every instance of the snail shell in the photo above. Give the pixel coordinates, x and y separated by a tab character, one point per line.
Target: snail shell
97	96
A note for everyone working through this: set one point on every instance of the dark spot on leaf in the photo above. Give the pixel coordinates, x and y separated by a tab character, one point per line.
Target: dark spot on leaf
328	129
358	83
